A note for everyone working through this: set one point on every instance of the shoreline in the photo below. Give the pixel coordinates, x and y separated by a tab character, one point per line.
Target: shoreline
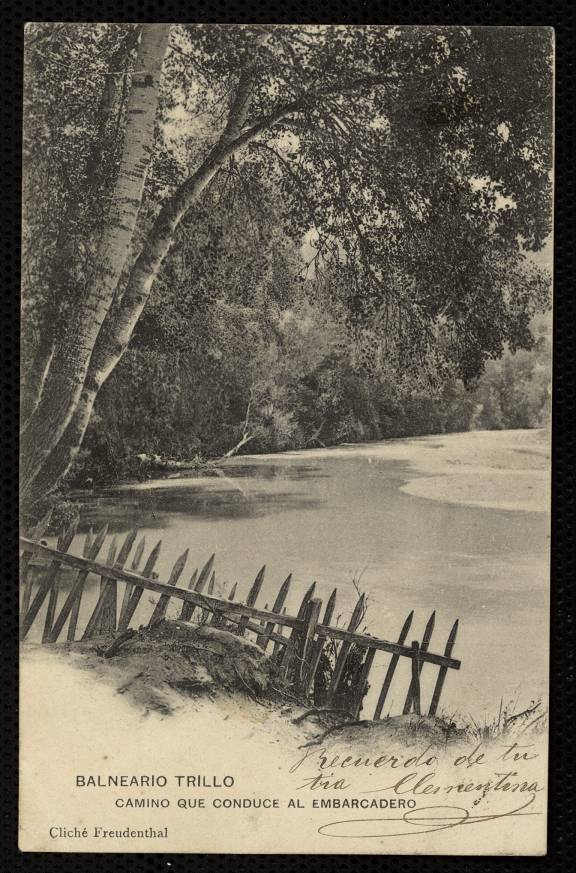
495	469
502	469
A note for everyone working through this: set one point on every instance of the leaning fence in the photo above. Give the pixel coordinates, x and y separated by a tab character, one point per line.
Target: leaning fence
320	661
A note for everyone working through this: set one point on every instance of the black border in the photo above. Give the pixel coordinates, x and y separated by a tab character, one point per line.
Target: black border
560	15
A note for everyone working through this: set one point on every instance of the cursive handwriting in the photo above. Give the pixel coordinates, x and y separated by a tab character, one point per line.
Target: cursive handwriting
428	819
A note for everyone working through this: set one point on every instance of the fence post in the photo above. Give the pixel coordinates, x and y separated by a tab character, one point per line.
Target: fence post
345	650
187	611
443	670
292	641
415	684
25	577
423	648
392	667
263	639
310	620
318	646
103	617
159	610
251	600
365	672
63	544
129	608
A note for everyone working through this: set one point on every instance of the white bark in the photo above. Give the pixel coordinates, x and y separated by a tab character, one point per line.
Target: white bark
67	373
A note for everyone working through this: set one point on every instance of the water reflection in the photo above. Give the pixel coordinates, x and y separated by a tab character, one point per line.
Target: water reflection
267	470
156	508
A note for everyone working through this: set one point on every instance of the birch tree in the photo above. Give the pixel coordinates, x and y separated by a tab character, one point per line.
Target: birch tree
62	385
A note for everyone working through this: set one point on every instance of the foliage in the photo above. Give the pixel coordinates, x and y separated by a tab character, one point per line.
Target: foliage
516	390
355	262
291	377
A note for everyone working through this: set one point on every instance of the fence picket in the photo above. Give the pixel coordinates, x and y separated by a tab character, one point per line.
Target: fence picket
188	615
232	594
355	620
137	590
363	679
423	647
88	543
41	527
110	560
278	645
103	617
162	604
75	612
392	668
251	599
188	608
110	608
318	645
47	584
54	588
443	670
263	639
290	647
126	546
415	683
304	675
26	579
133	566
112	549
75	593
65	540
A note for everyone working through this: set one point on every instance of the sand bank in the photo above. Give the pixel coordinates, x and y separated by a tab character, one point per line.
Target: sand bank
506	469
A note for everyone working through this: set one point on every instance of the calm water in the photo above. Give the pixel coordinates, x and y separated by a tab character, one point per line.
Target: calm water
335	519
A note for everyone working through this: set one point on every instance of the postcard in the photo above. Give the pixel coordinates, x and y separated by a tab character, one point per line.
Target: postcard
285	438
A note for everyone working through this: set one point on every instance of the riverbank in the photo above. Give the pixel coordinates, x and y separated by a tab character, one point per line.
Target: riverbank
232	693
492	469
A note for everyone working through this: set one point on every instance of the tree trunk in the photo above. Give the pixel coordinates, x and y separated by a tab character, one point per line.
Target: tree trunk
123	315
64	267
35	375
66	375
63	455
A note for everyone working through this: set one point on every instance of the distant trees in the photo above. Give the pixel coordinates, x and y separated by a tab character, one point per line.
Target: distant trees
417	158
516	391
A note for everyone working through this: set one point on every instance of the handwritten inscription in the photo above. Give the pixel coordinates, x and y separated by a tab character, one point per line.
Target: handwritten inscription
424	820
474	774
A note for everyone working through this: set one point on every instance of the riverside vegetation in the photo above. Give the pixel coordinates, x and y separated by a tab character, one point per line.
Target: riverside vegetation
218	258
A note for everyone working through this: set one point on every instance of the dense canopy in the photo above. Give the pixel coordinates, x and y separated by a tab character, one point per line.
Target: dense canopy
395	179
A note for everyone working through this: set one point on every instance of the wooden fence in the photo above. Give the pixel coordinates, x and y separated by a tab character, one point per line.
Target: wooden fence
328	664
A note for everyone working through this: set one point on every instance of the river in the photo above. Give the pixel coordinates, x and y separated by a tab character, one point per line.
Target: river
475	547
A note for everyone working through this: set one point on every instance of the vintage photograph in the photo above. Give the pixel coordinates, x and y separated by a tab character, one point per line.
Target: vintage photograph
285	438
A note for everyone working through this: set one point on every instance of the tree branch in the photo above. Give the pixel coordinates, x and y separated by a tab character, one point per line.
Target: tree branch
307	101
